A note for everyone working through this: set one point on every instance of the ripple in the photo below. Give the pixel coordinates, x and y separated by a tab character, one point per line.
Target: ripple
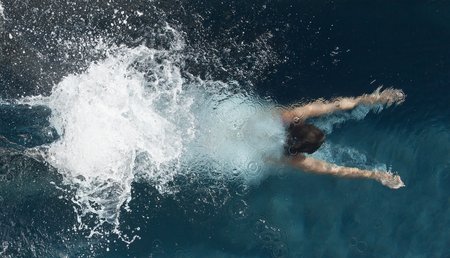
358	245
279	250
253	168
157	247
182	253
238	209
281	171
271	239
242	189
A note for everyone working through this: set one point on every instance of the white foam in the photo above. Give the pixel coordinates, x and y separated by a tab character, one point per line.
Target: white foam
2	14
107	116
133	117
2	11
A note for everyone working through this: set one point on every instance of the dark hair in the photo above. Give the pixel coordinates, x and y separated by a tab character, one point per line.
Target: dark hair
302	137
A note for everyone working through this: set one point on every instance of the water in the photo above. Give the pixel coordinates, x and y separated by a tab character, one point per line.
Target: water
144	129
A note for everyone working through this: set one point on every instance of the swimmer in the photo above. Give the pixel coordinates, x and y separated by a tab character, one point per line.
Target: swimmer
303	137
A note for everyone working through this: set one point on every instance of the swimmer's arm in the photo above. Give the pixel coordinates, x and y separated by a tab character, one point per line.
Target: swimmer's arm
321	167
321	107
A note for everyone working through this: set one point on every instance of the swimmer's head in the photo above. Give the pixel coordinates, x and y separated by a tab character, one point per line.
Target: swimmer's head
303	138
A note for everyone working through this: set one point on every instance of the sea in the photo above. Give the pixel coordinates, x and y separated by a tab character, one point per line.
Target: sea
151	128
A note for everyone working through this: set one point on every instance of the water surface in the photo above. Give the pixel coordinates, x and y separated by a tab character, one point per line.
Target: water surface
126	128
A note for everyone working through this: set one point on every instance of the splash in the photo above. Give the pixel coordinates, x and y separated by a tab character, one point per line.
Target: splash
2	11
133	116
2	16
121	108
136	116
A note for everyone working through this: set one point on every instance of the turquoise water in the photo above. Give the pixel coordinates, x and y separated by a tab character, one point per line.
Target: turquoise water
143	129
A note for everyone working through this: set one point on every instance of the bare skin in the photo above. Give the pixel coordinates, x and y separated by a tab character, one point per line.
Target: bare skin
320	108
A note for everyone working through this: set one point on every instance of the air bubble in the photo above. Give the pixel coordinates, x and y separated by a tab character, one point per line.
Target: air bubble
238	209
215	173
281	171
242	189
236	173
237	164
181	253
260	226
9	177
269	236
157	247
253	168
5	246
271	239
360	246
279	250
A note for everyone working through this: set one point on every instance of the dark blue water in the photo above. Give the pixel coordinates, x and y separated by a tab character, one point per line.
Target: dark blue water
284	51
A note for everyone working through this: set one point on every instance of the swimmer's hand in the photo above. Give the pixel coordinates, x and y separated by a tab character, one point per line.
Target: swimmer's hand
388	97
390	180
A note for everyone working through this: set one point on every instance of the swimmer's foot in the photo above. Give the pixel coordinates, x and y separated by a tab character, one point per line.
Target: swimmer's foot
390	180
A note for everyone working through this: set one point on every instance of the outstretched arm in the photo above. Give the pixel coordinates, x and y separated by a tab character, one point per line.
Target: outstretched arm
318	166
321	107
